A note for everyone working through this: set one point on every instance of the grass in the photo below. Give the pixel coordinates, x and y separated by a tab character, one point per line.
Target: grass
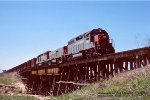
5	80
132	85
16	97
78	94
138	86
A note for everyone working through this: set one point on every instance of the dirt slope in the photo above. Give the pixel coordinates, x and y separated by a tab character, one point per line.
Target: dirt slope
11	83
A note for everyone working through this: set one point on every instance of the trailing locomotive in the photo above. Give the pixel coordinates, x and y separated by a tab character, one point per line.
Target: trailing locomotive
90	44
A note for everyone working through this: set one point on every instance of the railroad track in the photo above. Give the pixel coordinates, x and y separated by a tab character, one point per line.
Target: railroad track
66	77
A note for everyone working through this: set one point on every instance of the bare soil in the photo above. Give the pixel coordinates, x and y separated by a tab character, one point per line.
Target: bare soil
16	86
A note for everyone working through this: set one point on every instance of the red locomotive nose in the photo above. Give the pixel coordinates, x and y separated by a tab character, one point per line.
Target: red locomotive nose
101	39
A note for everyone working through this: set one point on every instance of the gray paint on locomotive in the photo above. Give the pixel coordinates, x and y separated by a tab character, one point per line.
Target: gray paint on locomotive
79	44
43	58
56	56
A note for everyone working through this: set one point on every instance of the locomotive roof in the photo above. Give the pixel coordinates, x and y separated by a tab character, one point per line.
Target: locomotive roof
44	53
84	34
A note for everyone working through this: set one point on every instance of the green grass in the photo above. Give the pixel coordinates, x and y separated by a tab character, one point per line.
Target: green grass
138	86
16	97
5	80
77	95
132	89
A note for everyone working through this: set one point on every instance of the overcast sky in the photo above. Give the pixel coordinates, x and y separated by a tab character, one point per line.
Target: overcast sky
30	28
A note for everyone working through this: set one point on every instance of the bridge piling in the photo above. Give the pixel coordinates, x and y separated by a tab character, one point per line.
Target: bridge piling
63	78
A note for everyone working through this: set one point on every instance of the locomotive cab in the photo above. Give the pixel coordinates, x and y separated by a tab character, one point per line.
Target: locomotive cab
102	43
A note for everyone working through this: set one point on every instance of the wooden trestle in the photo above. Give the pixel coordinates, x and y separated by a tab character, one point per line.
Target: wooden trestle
63	78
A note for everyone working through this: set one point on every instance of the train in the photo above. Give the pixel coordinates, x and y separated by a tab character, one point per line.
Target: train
94	43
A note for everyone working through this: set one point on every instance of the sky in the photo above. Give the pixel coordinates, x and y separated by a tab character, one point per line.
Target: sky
28	29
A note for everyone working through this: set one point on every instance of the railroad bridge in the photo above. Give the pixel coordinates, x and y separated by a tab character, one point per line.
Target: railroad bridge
66	77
